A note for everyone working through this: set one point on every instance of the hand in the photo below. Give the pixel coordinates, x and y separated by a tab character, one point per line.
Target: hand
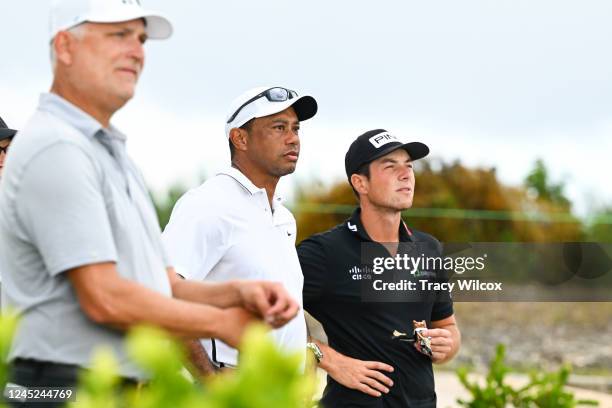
233	324
269	300
441	343
364	376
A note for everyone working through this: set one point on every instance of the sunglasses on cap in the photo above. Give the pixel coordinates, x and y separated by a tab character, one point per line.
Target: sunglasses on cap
276	94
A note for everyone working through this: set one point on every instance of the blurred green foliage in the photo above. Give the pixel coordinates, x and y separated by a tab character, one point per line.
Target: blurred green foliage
266	377
600	228
538	180
8	325
543	390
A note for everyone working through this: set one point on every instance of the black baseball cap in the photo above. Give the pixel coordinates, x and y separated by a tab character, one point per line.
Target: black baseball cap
5	132
374	144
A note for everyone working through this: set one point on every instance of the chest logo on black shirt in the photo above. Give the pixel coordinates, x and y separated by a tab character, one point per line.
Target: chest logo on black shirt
351	226
359	272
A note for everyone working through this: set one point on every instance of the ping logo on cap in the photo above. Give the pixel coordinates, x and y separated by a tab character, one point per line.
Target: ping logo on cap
382	139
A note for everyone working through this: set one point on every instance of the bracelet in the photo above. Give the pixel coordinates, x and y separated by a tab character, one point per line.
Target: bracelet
315	350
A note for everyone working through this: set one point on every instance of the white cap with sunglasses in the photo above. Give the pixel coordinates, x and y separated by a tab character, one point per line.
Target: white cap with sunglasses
66	14
265	101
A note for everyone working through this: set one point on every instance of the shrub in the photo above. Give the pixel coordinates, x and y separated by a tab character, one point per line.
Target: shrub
544	390
266	378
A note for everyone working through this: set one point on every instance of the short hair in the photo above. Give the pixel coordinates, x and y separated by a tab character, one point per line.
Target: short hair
247	126
363	170
77	31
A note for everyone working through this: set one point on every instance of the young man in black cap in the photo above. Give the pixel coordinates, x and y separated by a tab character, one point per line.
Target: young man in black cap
367	367
6	135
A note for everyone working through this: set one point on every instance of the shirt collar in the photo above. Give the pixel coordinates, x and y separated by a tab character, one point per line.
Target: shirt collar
356	227
85	123
248	185
241	179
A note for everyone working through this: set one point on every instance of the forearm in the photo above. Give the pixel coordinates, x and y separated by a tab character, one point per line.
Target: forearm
133	304
222	295
109	299
200	366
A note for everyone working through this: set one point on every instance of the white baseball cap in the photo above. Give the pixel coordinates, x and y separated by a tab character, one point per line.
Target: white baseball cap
259	102
66	14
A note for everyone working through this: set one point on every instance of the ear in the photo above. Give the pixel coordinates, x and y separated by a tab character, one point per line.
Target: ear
239	138
360	183
63	45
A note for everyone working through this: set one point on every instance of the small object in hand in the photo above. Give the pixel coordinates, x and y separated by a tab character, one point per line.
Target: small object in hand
402	336
423	343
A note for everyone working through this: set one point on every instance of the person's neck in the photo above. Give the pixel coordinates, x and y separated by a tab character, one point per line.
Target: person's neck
382	225
257	177
83	102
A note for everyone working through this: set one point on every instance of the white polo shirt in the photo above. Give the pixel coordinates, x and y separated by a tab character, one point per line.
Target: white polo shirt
225	230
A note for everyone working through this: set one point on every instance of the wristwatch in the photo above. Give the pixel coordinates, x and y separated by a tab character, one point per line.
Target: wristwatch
315	350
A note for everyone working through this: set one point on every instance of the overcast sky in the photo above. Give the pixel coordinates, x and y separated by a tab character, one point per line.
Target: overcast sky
490	82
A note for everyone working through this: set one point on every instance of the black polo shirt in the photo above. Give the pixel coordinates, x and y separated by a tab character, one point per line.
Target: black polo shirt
359	323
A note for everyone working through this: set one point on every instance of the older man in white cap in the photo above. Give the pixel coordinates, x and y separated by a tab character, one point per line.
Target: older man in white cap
234	226
80	245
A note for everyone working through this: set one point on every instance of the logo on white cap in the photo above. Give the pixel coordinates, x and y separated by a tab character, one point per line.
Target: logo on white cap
382	139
